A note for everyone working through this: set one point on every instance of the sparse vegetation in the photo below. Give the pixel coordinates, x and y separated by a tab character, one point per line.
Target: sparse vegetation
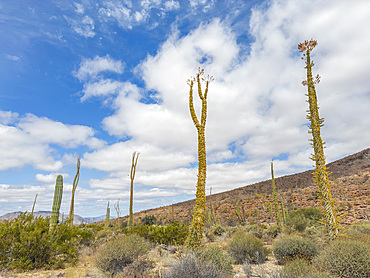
244	246
292	247
120	252
345	258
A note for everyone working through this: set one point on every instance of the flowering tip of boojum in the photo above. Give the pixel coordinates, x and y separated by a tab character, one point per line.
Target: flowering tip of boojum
307	46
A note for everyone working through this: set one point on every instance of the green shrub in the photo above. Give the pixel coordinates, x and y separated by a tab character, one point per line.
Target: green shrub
301	218
296	269
293	247
271	232
139	268
174	233
25	243
345	258
215	255
218	230
148	220
189	266
243	246
120	252
210	236
256	229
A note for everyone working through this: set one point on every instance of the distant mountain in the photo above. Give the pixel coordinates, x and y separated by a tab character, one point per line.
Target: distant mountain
76	219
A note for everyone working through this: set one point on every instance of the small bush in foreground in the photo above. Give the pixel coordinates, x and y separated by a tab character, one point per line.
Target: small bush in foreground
215	255
140	268
243	246
345	258
190	266
120	252
293	247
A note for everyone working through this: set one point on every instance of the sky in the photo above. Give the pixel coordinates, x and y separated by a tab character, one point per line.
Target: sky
102	79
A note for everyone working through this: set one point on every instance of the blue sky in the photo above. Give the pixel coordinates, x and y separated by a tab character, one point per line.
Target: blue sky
103	79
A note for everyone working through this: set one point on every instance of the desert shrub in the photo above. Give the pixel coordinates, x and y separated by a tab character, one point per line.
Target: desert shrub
345	258
215	255
243	246
271	232
139	268
293	247
174	233
218	230
189	266
297	269
256	229
210	236
120	252
25	243
301	218
148	220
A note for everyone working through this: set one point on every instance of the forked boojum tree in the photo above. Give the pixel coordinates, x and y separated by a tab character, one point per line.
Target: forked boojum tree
321	174
199	215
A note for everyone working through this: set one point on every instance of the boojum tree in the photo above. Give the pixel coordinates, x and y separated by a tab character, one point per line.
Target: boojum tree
321	174
276	205
199	214
135	156
74	187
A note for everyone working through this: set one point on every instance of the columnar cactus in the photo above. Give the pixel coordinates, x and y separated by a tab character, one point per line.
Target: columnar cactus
196	230
107	216
320	174
135	156
274	195
74	187
57	202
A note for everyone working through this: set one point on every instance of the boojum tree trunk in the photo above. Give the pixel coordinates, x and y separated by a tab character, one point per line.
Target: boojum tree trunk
135	156
321	174
74	187
276	205
199	215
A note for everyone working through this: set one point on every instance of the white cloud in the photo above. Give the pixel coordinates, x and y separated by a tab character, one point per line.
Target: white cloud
84	27
13	57
171	5
29	141
79	8
91	68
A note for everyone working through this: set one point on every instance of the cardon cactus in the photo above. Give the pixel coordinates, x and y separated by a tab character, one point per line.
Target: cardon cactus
107	216
57	202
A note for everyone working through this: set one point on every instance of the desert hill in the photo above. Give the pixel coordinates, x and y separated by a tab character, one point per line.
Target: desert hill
350	181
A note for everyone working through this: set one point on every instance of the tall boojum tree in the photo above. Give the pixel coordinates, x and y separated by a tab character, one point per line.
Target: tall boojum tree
321	174
135	157
196	231
74	187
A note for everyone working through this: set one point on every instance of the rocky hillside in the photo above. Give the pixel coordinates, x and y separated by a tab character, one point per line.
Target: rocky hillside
350	181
